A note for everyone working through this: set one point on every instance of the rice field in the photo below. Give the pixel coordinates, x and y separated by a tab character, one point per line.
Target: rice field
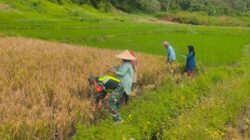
44	90
47	51
117	32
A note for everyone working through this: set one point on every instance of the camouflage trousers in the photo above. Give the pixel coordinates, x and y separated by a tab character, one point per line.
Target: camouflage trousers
114	99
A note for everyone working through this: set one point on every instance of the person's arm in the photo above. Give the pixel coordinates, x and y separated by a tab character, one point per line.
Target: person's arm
122	71
98	101
184	56
100	96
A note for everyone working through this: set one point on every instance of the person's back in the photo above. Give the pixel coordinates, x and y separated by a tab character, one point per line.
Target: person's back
191	59
109	82
108	85
191	62
171	53
126	75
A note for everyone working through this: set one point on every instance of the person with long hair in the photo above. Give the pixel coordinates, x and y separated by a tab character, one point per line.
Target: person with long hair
190	61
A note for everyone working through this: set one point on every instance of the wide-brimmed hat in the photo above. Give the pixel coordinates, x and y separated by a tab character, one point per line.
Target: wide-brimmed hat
126	55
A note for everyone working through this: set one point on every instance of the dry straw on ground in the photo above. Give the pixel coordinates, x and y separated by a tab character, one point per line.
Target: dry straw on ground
239	129
43	86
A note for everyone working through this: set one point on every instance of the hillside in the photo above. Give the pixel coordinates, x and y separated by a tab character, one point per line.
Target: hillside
211	7
83	25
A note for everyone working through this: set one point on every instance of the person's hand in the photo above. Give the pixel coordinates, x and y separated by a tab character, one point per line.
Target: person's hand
110	67
93	109
107	96
114	68
99	105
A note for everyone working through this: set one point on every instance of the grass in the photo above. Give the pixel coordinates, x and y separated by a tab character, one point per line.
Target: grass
208	119
192	109
238	126
118	32
44	88
47	81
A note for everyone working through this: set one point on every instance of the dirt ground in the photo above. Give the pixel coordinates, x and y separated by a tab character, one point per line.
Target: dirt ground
157	21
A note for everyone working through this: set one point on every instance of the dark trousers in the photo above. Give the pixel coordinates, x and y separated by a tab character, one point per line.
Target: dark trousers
124	99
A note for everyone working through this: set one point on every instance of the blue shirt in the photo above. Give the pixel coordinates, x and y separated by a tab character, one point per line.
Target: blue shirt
171	53
191	63
126	75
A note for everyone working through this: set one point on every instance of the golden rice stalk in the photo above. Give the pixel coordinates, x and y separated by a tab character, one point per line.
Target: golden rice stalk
44	89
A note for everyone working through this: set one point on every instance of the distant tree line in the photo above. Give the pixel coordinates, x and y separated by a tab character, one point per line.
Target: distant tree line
211	7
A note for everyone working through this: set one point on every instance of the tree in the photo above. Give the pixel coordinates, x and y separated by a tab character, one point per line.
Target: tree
211	10
149	5
168	5
184	4
248	5
80	1
57	1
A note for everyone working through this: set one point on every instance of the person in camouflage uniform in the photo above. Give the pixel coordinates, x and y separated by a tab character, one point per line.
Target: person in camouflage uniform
108	85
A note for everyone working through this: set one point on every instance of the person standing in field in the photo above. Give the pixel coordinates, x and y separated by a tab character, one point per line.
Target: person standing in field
170	52
134	63
190	61
108	85
126	73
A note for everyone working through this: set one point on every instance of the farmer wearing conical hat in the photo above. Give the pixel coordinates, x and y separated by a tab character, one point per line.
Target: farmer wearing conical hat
126	72
108	85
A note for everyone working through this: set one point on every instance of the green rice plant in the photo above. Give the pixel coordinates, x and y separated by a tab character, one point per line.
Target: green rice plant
95	29
209	118
193	109
43	85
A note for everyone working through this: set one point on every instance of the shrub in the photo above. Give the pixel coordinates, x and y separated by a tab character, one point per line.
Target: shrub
57	1
105	6
198	7
185	5
152	6
35	3
80	1
201	19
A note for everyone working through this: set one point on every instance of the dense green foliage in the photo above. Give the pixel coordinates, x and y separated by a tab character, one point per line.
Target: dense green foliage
203	19
211	7
198	12
85	25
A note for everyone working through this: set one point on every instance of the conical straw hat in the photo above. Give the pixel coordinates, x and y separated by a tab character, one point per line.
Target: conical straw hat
126	55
